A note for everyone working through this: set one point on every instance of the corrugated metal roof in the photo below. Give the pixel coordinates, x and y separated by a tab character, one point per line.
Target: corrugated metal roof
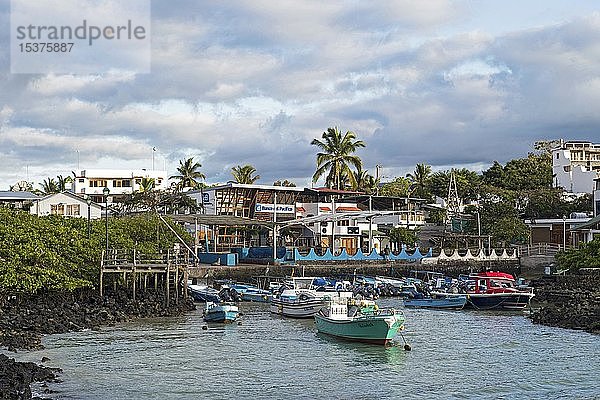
17	196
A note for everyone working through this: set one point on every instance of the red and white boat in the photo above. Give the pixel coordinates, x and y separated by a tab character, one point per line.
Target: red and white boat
496	291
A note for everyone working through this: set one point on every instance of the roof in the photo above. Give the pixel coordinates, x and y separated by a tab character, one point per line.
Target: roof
220	220
589	224
17	196
333	191
232	185
71	195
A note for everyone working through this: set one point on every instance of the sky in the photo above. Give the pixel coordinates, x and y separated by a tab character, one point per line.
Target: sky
447	83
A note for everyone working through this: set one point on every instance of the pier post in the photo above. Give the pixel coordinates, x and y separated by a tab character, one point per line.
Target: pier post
101	272
168	273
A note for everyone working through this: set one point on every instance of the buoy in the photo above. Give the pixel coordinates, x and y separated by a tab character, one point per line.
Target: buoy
407	347
239	322
204	327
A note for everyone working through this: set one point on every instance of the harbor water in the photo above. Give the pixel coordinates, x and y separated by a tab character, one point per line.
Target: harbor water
455	355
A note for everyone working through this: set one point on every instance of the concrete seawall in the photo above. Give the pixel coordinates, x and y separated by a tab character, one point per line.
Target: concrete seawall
248	272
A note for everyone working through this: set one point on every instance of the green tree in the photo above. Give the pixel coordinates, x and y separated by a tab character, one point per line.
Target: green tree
399	187
245	174
420	179
587	256
284	183
401	235
364	182
189	174
336	157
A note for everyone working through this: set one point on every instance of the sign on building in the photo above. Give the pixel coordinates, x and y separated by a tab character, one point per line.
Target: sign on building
281	208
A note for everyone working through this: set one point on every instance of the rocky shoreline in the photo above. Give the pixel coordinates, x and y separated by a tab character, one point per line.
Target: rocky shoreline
571	301
24	319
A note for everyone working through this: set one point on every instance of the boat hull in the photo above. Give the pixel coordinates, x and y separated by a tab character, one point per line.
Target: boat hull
499	301
297	309
376	329
221	313
257	297
204	295
448	303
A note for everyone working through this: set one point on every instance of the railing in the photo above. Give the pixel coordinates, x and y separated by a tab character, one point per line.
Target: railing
123	257
541	249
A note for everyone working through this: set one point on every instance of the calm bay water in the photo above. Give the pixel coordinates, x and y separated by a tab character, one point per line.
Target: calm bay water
455	355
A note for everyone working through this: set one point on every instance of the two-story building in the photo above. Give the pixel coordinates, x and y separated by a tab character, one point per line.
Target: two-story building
120	182
66	204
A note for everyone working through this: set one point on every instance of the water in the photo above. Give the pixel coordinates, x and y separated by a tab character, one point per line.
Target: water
455	355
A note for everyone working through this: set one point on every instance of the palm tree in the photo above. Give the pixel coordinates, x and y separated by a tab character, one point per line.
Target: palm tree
188	174
61	182
244	174
147	185
49	186
364	182
336	157
420	180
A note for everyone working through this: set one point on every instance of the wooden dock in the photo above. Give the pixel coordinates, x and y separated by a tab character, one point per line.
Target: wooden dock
136	268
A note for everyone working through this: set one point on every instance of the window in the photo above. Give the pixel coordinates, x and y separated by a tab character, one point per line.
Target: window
73	209
97	183
122	183
343	222
81	180
57	209
557	156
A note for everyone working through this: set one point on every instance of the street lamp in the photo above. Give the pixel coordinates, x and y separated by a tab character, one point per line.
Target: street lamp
564	233
106	192
88	200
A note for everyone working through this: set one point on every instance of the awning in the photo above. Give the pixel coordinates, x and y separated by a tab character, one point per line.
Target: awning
588	225
348	209
220	220
324	208
300	209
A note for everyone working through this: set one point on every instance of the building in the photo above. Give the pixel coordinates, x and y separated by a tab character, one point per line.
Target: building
120	182
555	230
66	204
19	200
328	218
575	165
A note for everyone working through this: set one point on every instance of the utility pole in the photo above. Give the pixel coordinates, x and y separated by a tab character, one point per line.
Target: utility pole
370	224
377	167
274	226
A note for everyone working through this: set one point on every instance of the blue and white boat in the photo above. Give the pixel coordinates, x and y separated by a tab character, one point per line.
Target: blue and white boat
203	293
257	295
449	303
220	312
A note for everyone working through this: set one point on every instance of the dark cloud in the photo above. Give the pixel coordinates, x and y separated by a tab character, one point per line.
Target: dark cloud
253	82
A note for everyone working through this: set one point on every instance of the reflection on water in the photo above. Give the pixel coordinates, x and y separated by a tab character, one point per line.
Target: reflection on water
454	355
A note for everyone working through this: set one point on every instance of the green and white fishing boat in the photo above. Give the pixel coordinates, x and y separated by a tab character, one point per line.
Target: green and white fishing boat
359	320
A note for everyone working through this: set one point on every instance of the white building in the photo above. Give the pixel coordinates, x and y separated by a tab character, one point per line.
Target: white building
66	204
575	165
120	182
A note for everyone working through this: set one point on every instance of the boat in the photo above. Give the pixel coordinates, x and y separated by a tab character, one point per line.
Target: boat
203	293
495	291
301	299
220	312
359	320
250	292
257	295
445	302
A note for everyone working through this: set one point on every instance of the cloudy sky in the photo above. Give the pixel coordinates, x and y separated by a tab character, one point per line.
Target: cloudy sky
448	83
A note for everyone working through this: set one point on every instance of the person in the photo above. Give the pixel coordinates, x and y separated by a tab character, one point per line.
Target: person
386	252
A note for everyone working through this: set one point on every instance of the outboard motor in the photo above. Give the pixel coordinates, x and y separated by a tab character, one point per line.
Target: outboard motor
234	295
